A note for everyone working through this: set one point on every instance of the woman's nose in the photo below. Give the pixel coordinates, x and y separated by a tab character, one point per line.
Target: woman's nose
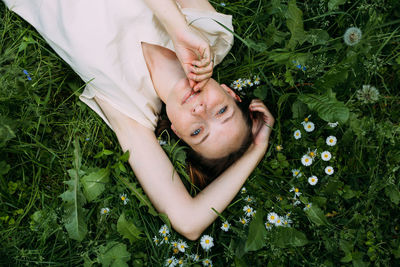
198	109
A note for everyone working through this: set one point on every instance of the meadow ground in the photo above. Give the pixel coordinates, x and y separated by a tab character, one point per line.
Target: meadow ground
326	194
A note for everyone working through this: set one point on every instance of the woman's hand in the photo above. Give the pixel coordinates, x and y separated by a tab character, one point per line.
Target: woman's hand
263	122
194	53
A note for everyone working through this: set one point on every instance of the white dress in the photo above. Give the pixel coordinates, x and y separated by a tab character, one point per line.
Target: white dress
101	41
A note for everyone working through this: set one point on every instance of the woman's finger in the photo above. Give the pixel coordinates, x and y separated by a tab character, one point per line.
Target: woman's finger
200	85
202	70
199	78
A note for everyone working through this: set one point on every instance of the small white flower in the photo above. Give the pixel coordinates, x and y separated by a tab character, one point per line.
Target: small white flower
170	262
243	221
225	226
279	148
256	80
286	221
156	240
278	221
268	225
195	257
297	134
248	82
297	202
331	140
312	153
243	190
162	142
308	206
329	170
104	211
124	198
206	242
181	262
249	199
352	36
164	230
248	211
309	126
326	156
182	246
306	160
165	240
272	217
223	4
313	180
333	124
296	191
174	244
207	262
296	173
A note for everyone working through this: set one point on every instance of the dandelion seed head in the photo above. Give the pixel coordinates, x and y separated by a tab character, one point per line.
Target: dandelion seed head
352	36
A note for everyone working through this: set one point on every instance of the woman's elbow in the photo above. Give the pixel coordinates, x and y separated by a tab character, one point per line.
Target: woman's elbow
186	229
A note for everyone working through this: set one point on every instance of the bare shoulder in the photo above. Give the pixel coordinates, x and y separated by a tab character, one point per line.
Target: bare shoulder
197	4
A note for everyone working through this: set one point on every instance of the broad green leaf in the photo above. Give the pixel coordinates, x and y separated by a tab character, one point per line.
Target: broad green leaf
260	92
6	133
114	254
259	47
257	233
289	237
316	215
138	193
299	109
294	21
94	183
74	213
334	4
128	229
393	193
317	37
327	106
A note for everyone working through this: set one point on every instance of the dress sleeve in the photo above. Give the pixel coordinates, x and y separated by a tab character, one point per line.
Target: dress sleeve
215	27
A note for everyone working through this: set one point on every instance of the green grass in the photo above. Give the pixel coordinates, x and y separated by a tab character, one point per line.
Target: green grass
45	131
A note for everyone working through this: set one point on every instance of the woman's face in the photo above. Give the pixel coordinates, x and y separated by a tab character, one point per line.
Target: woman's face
209	120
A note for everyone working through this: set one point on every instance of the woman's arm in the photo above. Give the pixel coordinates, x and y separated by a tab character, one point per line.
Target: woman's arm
189	216
192	50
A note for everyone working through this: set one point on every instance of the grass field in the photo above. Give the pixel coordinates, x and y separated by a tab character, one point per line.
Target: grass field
329	71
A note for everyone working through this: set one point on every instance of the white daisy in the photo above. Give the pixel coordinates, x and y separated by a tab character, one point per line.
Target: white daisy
243	190
331	140
279	148
207	262
329	170
297	202
164	230
272	217
182	246
333	124
306	119
268	225
296	173
306	160
195	257
309	126
249	199
104	211
243	221
206	242
248	211
225	226
313	180
256	80
312	153
308	206
156	240
326	156
181	262
124	198
296	191
286	221
165	240
174	244
279	221
297	134
170	262
249	83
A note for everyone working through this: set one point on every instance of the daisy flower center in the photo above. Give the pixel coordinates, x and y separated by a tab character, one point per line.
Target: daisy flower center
312	154
207	241
306	160
272	217
306	119
123	198
296	190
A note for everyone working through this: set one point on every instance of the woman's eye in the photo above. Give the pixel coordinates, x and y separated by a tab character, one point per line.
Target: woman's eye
222	110
195	132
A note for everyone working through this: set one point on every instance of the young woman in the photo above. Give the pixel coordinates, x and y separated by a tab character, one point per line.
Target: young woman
134	54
